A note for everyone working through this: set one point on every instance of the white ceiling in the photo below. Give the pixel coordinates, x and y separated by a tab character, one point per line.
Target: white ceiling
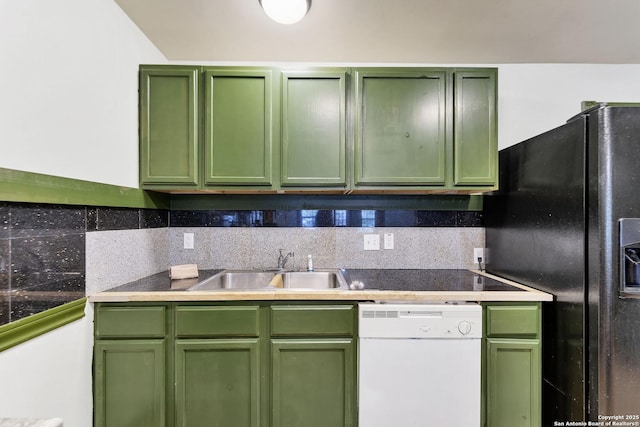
396	31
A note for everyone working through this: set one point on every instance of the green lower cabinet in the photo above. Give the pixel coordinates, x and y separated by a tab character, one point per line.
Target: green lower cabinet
514	379
225	364
217	383
130	365
513	365
129	383
313	383
277	365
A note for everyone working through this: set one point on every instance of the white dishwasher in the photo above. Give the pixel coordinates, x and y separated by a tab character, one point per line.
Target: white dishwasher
419	365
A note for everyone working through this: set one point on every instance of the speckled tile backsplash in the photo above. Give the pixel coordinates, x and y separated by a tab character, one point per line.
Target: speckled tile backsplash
251	247
121	256
251	239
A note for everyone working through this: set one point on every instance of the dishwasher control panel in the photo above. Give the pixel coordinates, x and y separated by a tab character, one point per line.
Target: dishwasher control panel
416	321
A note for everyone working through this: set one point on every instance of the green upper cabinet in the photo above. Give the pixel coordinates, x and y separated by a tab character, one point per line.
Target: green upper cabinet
238	134
475	128
314	128
400	127
238	129
169	126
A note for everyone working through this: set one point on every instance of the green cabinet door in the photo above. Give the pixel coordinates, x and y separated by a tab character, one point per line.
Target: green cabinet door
514	383
169	127
400	127
313	382
238	134
365	129
475	128
313	128
219	364
217	383
129	383
512	364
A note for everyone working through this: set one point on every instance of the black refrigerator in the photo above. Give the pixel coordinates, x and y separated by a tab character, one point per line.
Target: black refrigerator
566	220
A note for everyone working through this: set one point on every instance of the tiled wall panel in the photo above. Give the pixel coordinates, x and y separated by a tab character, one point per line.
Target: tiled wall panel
53	254
43	251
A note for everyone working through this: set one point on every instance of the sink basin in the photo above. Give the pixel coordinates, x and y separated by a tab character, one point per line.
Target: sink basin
312	280
239	280
236	279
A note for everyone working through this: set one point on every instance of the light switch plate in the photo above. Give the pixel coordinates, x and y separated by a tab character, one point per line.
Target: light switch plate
371	242
388	241
188	240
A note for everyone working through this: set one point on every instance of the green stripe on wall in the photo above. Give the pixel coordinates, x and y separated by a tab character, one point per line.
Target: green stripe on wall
27	187
22	330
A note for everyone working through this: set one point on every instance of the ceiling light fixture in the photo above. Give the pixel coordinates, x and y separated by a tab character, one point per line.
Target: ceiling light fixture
286	11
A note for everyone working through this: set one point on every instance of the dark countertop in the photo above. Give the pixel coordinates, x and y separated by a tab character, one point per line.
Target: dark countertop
161	282
379	285
426	280
379	279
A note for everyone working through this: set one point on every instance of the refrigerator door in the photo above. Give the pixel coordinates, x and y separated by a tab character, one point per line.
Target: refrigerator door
614	316
555	224
535	234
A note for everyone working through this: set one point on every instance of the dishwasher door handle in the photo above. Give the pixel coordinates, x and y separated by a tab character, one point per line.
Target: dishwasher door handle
419	314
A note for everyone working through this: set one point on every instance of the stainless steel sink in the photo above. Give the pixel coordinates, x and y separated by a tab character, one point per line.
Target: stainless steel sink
236	280
313	280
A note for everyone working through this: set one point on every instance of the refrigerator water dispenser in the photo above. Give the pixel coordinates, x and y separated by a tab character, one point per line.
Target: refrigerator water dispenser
629	256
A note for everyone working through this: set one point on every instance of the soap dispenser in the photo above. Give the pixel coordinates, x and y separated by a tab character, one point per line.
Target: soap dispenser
309	263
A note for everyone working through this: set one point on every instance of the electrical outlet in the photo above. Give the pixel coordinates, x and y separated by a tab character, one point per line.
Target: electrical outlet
188	240
478	253
388	240
371	242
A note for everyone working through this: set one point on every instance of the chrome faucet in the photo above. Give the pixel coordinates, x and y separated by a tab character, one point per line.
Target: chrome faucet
282	259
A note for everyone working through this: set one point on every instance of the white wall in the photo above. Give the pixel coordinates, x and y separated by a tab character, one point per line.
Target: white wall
50	375
68	89
68	107
534	98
